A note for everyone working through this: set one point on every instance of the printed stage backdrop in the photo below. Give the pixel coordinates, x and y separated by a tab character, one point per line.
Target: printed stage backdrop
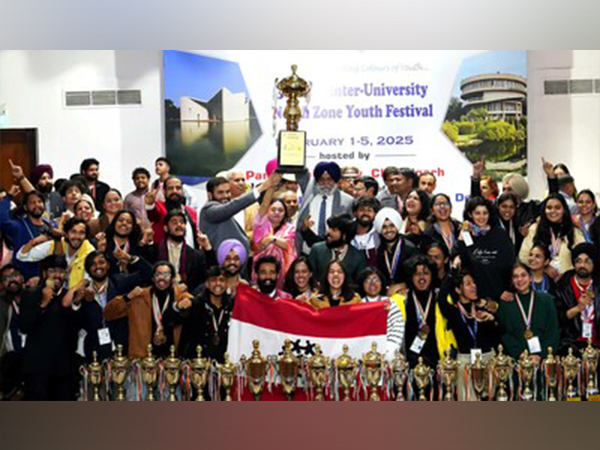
429	110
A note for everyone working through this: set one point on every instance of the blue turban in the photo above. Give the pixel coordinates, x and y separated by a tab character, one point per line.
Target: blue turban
331	168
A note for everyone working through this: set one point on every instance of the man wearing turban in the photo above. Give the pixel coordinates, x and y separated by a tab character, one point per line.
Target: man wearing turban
323	199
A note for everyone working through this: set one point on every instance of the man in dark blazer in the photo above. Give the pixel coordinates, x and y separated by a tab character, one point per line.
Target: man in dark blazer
337	247
322	199
217	215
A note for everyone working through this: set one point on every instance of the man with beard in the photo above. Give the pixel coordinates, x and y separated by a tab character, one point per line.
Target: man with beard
74	246
48	360
41	180
394	249
366	238
151	313
134	201
217	217
267	270
90	173
12	341
322	199
578	300
90	297
190	264
336	247
206	322
22	228
175	201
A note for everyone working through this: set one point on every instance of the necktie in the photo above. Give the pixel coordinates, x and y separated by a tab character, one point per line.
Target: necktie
322	218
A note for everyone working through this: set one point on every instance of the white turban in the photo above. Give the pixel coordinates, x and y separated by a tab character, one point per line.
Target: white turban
387	214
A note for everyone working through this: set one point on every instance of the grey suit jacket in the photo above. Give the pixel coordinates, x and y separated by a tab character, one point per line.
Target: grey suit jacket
388	200
218	223
342	204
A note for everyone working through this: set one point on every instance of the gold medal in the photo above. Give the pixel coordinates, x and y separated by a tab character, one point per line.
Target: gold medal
159	338
528	333
424	331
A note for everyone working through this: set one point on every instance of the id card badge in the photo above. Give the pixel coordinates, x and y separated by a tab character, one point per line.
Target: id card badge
417	345
586	331
467	238
474	353
104	336
534	345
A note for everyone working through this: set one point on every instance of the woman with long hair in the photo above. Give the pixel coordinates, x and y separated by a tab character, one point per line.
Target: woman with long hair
555	231
415	213
299	280
442	227
111	205
336	288
588	209
538	263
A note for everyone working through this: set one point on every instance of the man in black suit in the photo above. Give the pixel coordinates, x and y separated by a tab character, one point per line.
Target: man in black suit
90	172
48	361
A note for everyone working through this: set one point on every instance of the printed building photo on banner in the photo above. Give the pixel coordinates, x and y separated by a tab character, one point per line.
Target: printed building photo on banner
209	117
487	114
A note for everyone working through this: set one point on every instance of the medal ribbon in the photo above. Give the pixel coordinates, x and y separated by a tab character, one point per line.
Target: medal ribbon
526	318
555	246
216	324
422	315
587	315
464	316
157	312
585	229
396	259
448	239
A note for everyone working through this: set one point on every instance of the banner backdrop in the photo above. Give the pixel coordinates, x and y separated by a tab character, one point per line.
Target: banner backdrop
427	110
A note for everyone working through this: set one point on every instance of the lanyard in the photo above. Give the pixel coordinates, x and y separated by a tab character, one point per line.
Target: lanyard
464	316
422	315
587	315
585	229
526	318
448	239
510	231
555	246
543	286
157	312
396	259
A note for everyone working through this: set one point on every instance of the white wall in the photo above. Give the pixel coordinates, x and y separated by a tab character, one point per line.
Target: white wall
32	85
564	128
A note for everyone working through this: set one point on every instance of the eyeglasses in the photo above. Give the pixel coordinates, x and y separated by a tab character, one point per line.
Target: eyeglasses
439	205
373	280
12	276
162	276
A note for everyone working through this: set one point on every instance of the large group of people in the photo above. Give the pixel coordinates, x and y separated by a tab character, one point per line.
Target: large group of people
84	269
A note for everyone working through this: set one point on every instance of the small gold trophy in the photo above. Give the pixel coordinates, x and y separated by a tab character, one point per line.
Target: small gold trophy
95	371
571	367
479	374
526	375
422	374
551	374
150	373
502	367
291	155
374	363
256	368
172	366
448	370
590	367
288	370
200	369
346	369
227	373
318	366
399	369
119	367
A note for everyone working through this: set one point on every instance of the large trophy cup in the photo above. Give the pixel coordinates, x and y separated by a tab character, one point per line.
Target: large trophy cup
571	366
399	372
526	376
590	367
374	364
318	366
551	367
256	369
172	373
448	371
95	371
200	370
292	143
150	373
346	371
478	373
227	374
288	370
422	375
502	367
119	367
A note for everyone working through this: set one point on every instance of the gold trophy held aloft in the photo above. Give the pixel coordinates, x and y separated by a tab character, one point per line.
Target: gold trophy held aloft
288	370
346	371
150	373
293	88
200	370
119	367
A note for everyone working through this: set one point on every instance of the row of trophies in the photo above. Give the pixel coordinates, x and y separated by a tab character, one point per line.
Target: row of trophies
345	377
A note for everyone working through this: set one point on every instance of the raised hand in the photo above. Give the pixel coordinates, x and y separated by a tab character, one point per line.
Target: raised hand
14	191
17	171
478	168
548	168
150	197
204	241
